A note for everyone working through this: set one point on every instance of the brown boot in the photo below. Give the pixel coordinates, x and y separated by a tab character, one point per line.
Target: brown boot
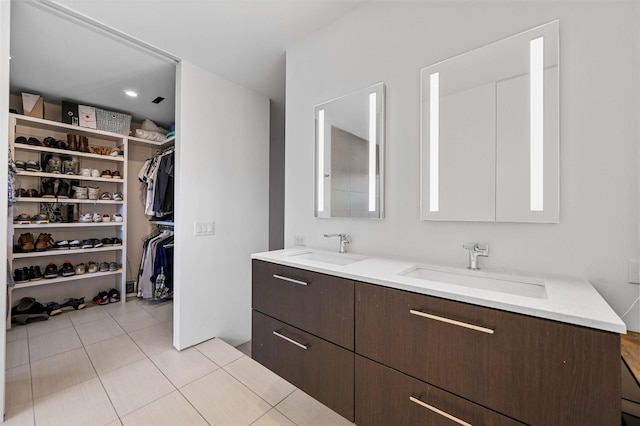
43	242
25	242
84	144
72	141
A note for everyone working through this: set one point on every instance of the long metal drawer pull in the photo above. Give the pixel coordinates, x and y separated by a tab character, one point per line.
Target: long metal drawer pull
450	321
282	336
442	413
291	280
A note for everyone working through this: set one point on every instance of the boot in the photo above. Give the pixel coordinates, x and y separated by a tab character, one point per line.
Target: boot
84	144
72	142
63	189
48	188
43	242
25	242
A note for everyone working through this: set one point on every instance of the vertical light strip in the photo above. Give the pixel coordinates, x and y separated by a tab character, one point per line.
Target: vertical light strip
373	141
434	142
536	98
320	165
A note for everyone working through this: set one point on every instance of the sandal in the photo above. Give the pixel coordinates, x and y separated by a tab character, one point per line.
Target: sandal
114	296
53	308
102	298
74	304
22	219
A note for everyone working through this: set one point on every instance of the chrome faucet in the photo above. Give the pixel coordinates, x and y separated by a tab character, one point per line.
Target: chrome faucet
474	252
344	240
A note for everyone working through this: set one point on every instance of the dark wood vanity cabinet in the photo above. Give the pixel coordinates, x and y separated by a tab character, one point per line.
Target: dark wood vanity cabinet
302	329
537	371
381	356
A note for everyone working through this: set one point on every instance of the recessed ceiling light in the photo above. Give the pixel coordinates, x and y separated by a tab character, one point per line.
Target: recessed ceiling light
130	93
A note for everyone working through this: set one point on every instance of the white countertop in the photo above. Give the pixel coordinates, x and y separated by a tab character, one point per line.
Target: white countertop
571	301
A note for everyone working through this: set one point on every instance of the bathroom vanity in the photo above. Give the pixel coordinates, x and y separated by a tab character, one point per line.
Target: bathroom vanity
384	341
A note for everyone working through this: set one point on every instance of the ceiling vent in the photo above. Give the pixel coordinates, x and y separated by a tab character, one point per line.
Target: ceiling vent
158	100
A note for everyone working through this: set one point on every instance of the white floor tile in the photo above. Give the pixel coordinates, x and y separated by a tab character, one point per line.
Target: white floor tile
132	321
222	400
53	343
17	353
116	422
120	308
57	322
273	418
153	340
135	385
17	388
97	331
20	416
218	351
114	353
268	385
301	409
88	314
169	410
60	371
16	332
82	404
183	367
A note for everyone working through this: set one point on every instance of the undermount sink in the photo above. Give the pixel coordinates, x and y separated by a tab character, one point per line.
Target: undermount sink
332	258
528	287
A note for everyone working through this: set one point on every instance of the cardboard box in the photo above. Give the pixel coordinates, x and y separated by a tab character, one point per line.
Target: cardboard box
32	105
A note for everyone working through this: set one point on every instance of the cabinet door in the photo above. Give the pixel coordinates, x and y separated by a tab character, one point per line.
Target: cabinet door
317	303
319	368
535	370
387	397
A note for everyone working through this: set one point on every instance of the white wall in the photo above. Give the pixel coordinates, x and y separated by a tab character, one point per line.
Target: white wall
5	33
599	85
222	162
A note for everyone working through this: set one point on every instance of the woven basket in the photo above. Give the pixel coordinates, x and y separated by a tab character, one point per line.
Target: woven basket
113	121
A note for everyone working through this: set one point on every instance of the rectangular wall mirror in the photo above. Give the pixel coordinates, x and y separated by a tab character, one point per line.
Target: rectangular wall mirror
489	132
349	155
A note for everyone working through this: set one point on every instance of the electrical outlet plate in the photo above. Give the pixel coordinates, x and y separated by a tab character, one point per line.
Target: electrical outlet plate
201	229
633	271
299	240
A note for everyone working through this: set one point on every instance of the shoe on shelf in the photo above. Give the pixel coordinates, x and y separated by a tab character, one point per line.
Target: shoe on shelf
33	193
67	269
54	165
95	243
21	139
93	193
51	271
32	166
95	173
26	243
106	196
74	304
113	266
86	244
106	174
44	242
67	167
118	196
116	241
48	188
20	165
114	295
74	245
40	219
102	298
35	273
97	217
92	267
85	172
22	219
21	275
34	141
81	192
117	217
104	267
106	218
86	218
61	245
72	142
81	268
107	242
63	189
116	174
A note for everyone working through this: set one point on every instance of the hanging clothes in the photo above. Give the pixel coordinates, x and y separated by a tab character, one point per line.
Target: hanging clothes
155	277
158	174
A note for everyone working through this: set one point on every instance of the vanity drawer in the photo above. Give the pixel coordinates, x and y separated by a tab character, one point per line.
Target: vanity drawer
317	303
321	369
387	397
534	370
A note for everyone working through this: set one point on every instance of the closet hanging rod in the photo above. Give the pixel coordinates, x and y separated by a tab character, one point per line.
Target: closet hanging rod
162	223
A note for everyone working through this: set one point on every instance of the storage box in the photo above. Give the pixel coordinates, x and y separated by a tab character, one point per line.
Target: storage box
87	116
70	113
32	105
112	121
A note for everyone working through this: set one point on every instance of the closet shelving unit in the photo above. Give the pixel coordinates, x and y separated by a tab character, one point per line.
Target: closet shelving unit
20	125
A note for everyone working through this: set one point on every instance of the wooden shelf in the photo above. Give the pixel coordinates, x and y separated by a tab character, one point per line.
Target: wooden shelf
26	147
58	280
67	225
65	252
70	177
64	200
55	126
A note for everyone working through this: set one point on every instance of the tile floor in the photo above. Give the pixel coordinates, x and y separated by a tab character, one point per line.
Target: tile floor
115	365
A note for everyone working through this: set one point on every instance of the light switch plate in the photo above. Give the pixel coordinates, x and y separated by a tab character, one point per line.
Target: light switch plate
633	271
201	229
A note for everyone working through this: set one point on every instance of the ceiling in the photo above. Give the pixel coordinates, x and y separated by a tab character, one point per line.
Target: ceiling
73	49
